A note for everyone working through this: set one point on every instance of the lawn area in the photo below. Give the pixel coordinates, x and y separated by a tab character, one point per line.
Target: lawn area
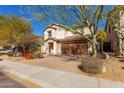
114	66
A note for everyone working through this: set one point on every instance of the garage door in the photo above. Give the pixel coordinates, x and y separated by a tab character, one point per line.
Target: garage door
74	48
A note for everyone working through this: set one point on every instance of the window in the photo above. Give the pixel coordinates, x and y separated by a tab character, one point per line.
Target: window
49	34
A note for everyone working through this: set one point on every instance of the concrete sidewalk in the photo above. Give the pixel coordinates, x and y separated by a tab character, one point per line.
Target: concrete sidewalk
49	78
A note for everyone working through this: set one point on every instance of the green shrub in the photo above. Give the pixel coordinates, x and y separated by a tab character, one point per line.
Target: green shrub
40	55
10	53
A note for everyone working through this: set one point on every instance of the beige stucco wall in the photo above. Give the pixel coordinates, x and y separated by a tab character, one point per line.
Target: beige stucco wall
56	47
58	33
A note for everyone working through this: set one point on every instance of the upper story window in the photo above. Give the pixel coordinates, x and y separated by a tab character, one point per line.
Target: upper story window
49	33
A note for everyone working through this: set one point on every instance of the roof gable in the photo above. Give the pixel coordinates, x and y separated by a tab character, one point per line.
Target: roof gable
55	24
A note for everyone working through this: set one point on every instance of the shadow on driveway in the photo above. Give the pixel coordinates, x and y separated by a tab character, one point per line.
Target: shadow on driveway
6	82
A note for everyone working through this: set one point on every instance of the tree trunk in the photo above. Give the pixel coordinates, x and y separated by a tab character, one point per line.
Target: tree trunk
120	48
101	48
94	50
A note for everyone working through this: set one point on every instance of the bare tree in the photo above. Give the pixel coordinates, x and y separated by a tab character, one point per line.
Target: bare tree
82	16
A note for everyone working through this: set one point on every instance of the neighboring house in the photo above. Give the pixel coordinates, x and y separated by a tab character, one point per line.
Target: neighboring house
112	42
59	41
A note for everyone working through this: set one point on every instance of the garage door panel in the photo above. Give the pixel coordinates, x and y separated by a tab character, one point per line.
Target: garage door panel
74	48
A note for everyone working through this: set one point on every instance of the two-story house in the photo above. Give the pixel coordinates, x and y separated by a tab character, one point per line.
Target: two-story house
59	41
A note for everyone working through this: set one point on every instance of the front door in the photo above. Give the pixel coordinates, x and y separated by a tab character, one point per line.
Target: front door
50	47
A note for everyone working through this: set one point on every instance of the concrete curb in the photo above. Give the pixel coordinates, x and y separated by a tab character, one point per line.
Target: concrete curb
27	80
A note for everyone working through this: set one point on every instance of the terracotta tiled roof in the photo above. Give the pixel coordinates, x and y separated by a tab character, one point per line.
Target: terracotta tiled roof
50	26
67	39
52	38
72	38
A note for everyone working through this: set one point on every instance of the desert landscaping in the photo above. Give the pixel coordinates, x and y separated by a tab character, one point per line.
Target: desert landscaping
46	47
114	66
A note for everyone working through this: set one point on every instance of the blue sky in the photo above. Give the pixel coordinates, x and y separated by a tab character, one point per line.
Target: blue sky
37	27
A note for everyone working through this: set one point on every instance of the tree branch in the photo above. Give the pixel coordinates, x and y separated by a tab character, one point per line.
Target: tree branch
77	32
83	14
77	14
97	19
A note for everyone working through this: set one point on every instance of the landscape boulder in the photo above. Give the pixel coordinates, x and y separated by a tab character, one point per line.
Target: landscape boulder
105	55
93	65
